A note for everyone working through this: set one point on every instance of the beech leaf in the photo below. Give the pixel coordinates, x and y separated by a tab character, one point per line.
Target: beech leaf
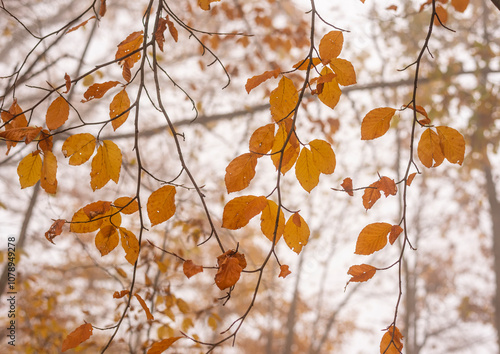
452	144
361	273
392	341
149	316
130	245
190	269
283	100
29	170
284	271
429	149
372	238
78	336
268	221
376	123
106	165
161	205
79	148
240	172
161	346
296	233
238	211
306	171
57	113
330	46
262	139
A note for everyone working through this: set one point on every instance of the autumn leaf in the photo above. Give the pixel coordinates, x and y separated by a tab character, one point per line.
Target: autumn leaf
296	233
283	100
255	81
130	245
172	30
392	341
344	69
119	295
161	205
284	271
396	230
14	111
82	221
423	112
290	153
205	4
460	5
130	44
306	171
388	186
55	230
268	221
452	144
126	205
410	178
429	149
376	123
303	64
118	109
330	93
190	269
442	14
78	336
28	134
80	25
238	211
57	113
98	90
106	165
106	239
48	180
323	156
149	316
79	148
161	346
262	139
347	185
102	8
371	195
67	82
29	169
240	172
182	306
361	273
372	238
228	273
45	141
159	36
95	209
330	46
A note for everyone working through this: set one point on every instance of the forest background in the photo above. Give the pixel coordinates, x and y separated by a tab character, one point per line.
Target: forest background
202	176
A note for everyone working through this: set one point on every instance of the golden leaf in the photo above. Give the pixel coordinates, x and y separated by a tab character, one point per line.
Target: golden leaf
78	336
118	109
262	139
228	273
149	316
238	211
291	151
296	233
429	149
205	4
330	92
106	239
29	170
323	156
268	221
345	71
161	346
240	172
303	64
48	180
98	90
372	238
452	144
161	205
330	46
126	205
376	123
392	341
306	171
130	245
255	81
361	273
79	148
283	100
57	113
106	165
190	269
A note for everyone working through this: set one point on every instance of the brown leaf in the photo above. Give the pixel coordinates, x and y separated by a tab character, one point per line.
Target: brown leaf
410	178
388	186
28	134
98	90
161	346
161	205
190	269
371	195
95	209
119	295
347	185
376	123
228	273
396	230
159	37
78	336
144	307
255	81
102	8
172	30
48	180
80	25
284	271
442	14
55	230
67	81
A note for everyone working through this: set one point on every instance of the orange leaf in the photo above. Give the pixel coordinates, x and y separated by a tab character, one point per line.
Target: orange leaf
161	346
238	211
172	30
48	180
268	221
303	64
29	170
118	109
79	148
106	239
205	4
323	156
347	185
98	90
190	269
345	71
376	123
14	111
372	238
452	144
57	113
106	165
55	230
284	271
422	111
410	178
128	45
130	245
67	81
371	195
159	37
102	8
330	46
19	134
240	172
330	93
361	273
291	151
95	209
392	7
442	14
228	273
161	205
392	341
127	205
255	81
78	336
296	233
388	186
306	171
396	230
283	100
144	307
80	25
82	223
119	295
460	5
429	149
45	141
262	139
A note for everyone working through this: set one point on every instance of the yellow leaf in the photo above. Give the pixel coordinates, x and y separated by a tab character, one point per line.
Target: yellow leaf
79	148
262	139
376	123
323	156
118	109
345	71
330	92
161	205
112	217
82	222
330	46
98	90
126	205
296	233
306	171
240	172
187	323
238	211
182	305
361	273
392	341
161	346
49	170
106	165
30	170
283	100
268	221
291	151
130	245
255	81
57	113
372	238
452	144
212	322
429	149
78	336
149	316
106	239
